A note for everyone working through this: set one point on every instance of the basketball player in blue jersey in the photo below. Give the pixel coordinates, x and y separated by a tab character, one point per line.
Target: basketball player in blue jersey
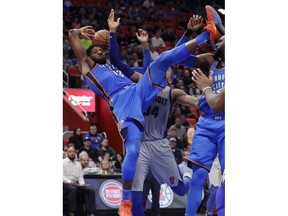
217	104
155	151
215	101
127	100
209	136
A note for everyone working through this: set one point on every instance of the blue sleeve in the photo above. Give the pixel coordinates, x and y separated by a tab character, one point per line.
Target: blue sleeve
182	40
139	69
147	59
189	62
115	57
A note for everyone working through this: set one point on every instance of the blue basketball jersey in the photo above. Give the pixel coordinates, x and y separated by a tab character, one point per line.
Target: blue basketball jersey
209	137
106	80
218	84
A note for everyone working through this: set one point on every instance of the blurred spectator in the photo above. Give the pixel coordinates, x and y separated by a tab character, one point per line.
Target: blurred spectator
92	152
173	133
154	52
96	138
72	179
90	21
148	4
64	153
123	56
67	62
76	138
157	41
67	4
85	161
168	34
181	131
105	167
133	12
76	24
176	112
180	83
119	161
105	148
187	78
176	151
185	110
133	62
66	45
108	158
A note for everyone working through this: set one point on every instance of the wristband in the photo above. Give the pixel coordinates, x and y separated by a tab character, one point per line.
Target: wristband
188	32
204	89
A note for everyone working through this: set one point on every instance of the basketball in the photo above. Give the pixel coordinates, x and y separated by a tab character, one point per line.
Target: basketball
101	38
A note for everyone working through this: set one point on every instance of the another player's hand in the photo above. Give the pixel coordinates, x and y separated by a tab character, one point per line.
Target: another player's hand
142	36
111	21
201	80
87	32
195	23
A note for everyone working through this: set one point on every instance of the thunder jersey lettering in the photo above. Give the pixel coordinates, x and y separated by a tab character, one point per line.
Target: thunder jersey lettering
218	84
156	116
106	79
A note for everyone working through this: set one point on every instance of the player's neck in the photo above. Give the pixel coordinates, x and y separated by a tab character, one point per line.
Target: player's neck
221	63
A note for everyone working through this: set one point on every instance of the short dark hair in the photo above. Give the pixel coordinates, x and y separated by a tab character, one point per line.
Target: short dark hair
89	50
71	145
93	124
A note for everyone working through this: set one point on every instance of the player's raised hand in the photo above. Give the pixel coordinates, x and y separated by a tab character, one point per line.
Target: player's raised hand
87	32
195	23
113	25
201	80
142	36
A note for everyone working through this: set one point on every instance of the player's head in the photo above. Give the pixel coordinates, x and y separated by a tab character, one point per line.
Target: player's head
97	54
220	48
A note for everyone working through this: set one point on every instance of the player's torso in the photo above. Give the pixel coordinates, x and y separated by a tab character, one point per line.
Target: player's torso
106	79
156	116
218	77
218	84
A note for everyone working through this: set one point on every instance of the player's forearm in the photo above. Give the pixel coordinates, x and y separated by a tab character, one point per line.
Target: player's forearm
216	102
147	59
185	37
190	101
145	45
182	98
76	44
115	57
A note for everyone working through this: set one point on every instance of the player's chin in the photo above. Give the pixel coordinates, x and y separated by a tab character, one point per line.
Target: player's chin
102	60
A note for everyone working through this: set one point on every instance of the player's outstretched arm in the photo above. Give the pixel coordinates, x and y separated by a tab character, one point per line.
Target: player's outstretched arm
182	98
78	48
143	36
114	50
194	24
215	101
